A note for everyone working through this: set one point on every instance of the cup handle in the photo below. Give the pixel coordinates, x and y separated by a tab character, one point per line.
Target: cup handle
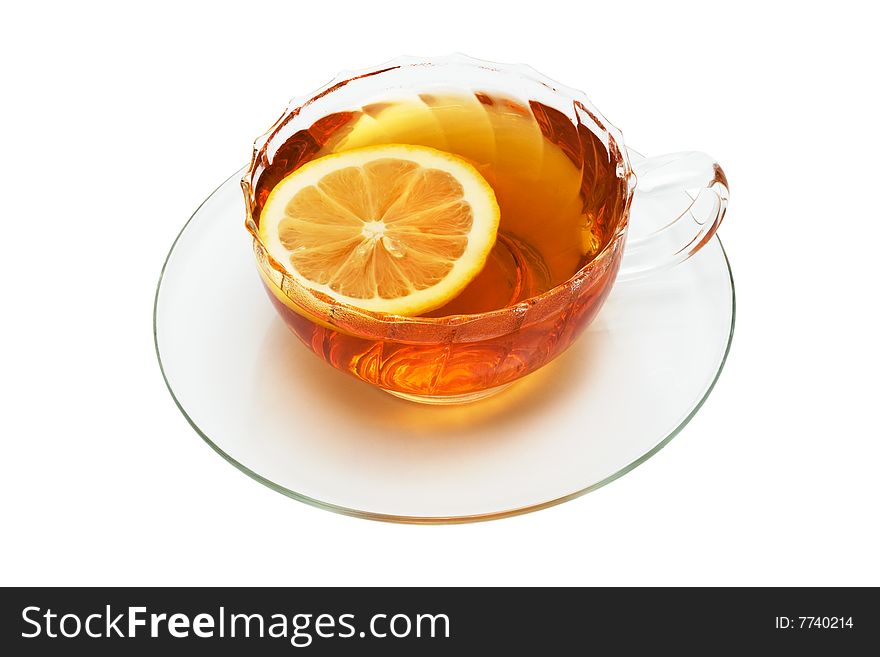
670	234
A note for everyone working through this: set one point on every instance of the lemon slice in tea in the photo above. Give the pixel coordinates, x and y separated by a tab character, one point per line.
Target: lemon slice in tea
395	229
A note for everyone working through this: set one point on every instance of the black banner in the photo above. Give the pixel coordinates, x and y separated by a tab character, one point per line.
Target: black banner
278	621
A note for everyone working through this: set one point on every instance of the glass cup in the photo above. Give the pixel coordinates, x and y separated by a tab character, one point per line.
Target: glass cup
464	357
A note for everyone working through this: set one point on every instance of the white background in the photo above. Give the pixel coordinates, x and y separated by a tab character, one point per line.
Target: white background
118	121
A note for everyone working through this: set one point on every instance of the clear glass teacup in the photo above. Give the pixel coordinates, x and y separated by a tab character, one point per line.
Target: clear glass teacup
567	190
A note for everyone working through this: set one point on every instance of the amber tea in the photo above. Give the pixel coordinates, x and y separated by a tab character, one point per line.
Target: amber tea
560	197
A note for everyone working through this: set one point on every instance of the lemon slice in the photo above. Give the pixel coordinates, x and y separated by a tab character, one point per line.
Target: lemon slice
395	229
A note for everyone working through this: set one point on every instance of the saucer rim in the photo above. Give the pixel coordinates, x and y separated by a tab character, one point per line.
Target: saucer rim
428	520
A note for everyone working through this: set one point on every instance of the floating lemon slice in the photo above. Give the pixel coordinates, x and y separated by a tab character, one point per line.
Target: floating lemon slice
395	229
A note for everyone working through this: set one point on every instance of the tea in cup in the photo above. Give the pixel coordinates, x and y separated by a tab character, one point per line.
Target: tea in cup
518	177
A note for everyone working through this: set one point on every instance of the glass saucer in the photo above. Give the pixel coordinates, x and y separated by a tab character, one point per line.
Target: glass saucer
266	404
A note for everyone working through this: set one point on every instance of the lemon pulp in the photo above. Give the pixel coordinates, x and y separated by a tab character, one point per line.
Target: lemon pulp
396	229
